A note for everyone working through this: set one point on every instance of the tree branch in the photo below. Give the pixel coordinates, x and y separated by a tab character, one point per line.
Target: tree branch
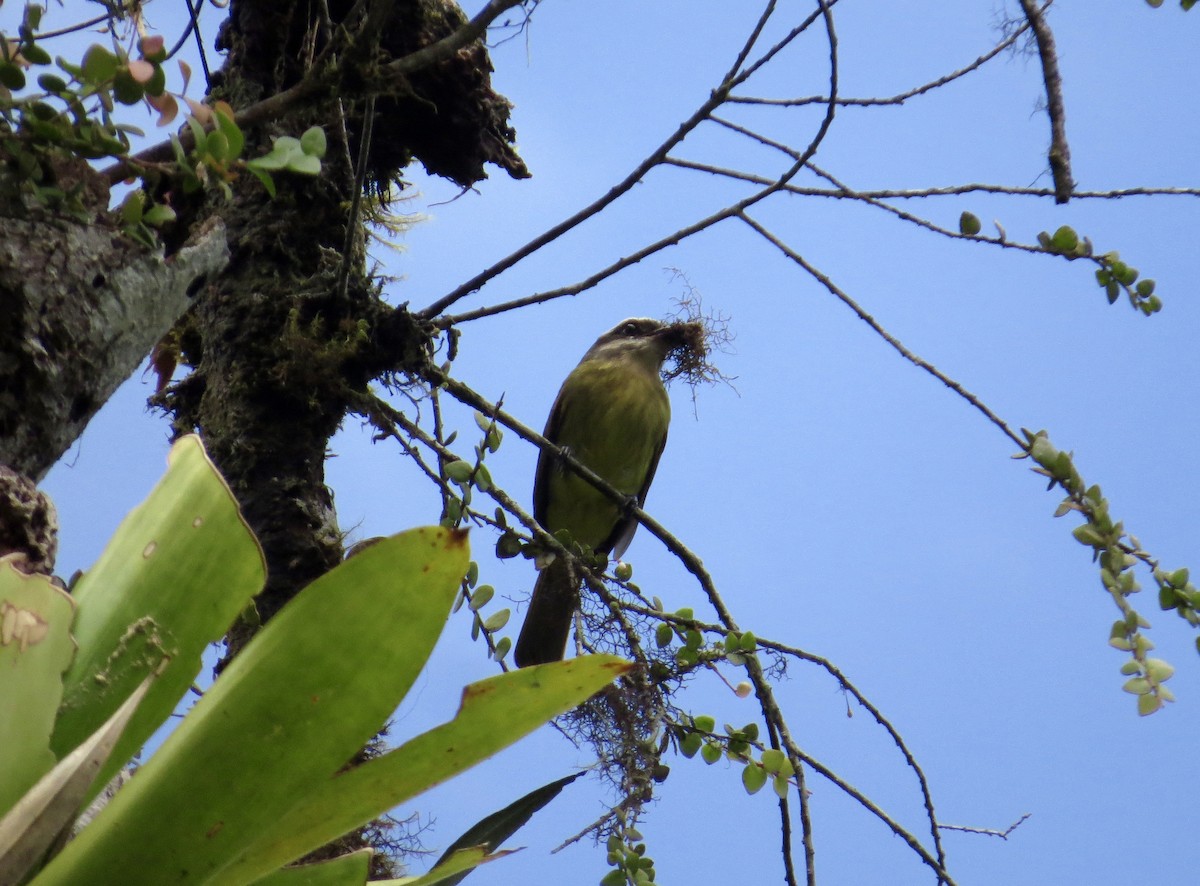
656	157
1060	151
899	98
908	355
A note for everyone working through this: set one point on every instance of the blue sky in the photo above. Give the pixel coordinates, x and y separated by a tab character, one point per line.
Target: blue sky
844	501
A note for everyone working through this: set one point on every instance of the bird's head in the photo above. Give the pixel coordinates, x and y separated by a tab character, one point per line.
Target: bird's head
639	338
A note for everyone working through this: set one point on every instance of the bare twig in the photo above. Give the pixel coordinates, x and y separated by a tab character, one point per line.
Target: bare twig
78	26
1060	151
899	346
846	193
843	682
899	98
923	193
655	158
990	832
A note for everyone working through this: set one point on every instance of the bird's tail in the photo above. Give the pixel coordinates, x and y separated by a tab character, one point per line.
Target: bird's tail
543	637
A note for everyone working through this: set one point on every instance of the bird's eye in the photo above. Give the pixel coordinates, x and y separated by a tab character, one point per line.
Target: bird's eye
629	329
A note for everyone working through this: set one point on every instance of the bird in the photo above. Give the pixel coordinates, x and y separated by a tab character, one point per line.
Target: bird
611	414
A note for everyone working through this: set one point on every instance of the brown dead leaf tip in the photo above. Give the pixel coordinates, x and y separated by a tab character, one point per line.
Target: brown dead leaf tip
618	667
476	691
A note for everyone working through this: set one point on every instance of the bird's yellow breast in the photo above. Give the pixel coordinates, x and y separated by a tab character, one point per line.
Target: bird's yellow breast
613	416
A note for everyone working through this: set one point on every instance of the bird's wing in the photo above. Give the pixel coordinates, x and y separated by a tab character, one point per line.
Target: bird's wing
546	463
622	534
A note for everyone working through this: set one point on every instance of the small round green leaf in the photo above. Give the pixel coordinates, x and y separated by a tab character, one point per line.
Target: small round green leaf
1064	240
52	83
459	471
305	164
1136	686
34	54
508	545
781	785
753	778
773	760
126	89
497	620
481	597
312	142
1159	671
11	76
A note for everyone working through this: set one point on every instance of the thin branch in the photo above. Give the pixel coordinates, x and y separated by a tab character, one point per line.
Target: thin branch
748	46
848	193
591	828
384	418
655	158
785	841
1060	151
908	355
864	801
672	239
922	193
897	99
78	26
806	828
880	719
843	682
1003	835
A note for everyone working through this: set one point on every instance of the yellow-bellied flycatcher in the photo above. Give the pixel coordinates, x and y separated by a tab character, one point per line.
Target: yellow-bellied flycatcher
611	414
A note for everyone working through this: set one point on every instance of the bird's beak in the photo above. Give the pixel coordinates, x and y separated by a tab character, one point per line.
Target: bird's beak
672	335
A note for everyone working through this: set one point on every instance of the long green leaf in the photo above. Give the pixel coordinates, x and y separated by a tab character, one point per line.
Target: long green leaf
35	649
493	830
46	810
494	713
351	869
180	568
450	869
288	713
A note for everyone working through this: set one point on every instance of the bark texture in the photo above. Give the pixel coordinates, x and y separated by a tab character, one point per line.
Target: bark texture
287	339
28	523
81	305
295	329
